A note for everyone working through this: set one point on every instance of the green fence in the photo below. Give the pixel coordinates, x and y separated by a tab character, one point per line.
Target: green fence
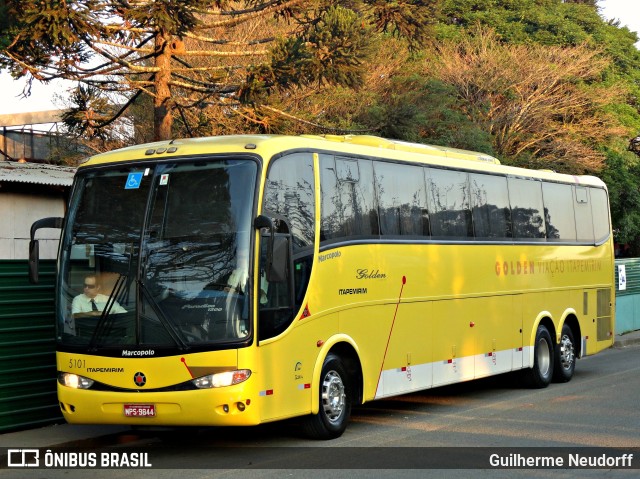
27	347
628	299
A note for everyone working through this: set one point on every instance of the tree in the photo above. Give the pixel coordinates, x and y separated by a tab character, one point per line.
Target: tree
621	175
155	48
5	24
536	101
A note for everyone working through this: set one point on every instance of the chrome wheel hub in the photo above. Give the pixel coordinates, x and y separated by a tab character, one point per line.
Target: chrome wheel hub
567	354
333	396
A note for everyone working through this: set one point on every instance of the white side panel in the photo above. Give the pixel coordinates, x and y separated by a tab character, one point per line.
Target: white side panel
424	376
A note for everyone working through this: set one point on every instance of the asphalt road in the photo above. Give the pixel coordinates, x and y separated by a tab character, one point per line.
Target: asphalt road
427	434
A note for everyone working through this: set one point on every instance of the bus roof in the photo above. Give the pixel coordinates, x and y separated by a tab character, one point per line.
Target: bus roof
365	145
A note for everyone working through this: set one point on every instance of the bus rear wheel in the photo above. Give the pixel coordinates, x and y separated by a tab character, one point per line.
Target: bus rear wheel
335	402
543	358
565	356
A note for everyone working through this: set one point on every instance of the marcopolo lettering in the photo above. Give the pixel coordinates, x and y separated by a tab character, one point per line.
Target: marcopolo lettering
332	255
129	353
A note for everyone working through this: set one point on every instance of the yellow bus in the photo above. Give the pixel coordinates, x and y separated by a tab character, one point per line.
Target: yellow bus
239	280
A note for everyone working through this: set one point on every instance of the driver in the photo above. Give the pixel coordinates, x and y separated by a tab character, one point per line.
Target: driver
91	302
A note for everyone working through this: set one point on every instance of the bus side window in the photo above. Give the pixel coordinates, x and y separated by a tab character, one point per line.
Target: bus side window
449	204
402	200
559	212
349	209
584	218
527	209
490	207
600	209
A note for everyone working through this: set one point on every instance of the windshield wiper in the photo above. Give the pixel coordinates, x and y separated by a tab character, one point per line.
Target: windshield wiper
169	327
101	327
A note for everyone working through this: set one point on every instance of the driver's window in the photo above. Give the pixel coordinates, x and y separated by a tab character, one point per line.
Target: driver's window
289	195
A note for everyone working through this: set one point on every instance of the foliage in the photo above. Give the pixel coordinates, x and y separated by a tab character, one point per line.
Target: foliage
159	48
621	175
535	100
538	83
421	109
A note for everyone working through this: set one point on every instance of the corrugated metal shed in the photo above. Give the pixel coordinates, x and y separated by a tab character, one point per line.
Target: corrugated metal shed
36	173
27	347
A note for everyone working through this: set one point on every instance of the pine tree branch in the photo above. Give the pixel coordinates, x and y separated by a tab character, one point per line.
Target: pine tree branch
269	6
126	64
202	89
118	28
96	70
121	111
310	123
211	86
214	53
124	47
217	41
242	16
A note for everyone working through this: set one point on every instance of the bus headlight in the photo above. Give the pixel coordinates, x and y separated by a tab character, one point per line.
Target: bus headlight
228	378
74	381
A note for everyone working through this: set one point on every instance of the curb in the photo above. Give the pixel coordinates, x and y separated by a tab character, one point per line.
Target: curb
624	340
624	343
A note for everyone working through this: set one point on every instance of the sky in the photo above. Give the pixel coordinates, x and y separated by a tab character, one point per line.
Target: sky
42	96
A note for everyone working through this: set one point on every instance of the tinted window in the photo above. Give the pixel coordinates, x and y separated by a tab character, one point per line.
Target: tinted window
448	197
490	206
558	209
348	205
600	208
527	211
584	220
290	192
402	201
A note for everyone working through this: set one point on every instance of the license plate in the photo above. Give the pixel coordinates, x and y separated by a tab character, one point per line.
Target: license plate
140	410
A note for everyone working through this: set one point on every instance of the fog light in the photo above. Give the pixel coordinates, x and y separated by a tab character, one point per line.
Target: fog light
225	408
240	406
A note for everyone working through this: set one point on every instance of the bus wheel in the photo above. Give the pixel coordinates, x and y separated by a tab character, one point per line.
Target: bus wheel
335	402
565	360
543	354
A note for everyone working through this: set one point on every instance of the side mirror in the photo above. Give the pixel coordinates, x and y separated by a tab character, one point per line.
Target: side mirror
34	259
277	251
34	246
263	221
277	271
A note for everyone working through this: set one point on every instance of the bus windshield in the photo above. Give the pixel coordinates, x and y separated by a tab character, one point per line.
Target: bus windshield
158	256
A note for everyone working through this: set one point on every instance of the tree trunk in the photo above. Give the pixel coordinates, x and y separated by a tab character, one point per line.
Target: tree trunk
162	119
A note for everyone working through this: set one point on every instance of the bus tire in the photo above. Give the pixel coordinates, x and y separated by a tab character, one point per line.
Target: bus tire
565	356
540	375
335	402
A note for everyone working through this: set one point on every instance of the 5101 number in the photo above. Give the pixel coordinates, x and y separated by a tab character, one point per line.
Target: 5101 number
77	363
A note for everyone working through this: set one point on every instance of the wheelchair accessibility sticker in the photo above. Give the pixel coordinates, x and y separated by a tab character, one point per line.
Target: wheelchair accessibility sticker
133	181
